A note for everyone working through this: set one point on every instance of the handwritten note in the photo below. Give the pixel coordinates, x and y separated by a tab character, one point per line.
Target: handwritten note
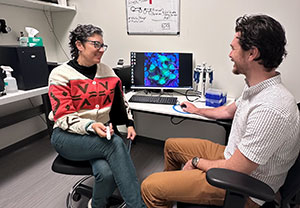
152	16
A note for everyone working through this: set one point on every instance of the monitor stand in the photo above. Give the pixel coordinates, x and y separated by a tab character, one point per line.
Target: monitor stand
159	91
167	90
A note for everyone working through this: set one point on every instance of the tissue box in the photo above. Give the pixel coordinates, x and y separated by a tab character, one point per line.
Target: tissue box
35	41
215	97
31	41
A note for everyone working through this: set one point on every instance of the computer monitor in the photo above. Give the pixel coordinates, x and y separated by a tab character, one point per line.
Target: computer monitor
161	70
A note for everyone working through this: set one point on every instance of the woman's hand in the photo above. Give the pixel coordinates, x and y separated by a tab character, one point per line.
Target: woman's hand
100	129
131	133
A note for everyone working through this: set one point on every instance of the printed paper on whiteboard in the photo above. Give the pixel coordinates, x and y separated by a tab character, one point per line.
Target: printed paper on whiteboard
153	16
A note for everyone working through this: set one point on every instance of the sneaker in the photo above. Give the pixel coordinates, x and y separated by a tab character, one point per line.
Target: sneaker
90	203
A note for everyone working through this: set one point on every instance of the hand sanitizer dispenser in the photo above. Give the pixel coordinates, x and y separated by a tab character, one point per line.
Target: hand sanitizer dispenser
10	82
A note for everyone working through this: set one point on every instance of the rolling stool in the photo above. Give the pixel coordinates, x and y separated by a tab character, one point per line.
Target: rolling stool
68	167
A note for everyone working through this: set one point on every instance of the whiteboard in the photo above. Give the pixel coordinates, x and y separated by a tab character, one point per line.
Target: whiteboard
152	16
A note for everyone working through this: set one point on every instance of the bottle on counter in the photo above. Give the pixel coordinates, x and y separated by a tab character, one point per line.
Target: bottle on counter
10	82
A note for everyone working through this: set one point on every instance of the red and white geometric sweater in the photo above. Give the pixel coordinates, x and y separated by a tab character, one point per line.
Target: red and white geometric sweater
78	101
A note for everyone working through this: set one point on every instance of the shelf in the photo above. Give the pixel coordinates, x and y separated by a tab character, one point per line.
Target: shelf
22	94
40	5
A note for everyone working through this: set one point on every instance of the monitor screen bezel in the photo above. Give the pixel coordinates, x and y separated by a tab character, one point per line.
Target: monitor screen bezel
134	87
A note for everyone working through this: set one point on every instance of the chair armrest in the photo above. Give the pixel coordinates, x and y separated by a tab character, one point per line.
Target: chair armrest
224	122
240	183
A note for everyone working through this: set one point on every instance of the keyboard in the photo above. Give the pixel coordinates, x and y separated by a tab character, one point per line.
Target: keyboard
153	99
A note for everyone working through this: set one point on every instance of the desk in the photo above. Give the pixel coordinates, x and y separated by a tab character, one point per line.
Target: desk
22	115
167	109
156	118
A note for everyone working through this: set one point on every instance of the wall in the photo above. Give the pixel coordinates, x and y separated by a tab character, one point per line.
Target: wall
18	18
206	29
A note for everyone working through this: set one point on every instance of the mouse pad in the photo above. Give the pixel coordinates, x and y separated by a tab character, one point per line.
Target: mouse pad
178	109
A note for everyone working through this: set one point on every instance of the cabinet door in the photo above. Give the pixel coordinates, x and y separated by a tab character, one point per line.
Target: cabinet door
33	67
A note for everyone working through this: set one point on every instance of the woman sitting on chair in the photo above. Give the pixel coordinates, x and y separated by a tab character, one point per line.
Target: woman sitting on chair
83	92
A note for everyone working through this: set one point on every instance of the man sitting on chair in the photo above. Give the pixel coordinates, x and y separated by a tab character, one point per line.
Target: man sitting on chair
264	138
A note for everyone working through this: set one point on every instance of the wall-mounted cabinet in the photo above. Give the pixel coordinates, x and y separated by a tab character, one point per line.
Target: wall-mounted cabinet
40	5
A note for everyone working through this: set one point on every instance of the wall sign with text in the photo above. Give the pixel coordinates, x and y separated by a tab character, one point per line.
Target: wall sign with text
152	16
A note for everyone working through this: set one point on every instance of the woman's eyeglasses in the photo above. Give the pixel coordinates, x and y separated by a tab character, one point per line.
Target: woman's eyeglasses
98	45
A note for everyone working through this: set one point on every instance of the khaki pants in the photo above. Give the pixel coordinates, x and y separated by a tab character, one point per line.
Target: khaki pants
163	188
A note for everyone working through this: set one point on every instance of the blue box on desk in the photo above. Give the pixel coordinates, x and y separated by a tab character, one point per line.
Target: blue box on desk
215	98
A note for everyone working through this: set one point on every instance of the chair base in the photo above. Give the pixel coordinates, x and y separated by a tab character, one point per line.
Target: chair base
79	189
123	205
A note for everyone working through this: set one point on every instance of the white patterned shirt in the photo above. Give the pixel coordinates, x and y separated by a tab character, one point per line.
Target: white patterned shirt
265	129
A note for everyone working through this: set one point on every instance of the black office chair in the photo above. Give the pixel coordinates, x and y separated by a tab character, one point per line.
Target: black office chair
68	167
64	166
239	187
226	124
290	191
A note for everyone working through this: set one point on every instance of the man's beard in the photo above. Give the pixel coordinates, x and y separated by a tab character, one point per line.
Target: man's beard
235	70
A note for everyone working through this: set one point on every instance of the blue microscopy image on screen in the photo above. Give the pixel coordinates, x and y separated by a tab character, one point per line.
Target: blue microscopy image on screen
161	70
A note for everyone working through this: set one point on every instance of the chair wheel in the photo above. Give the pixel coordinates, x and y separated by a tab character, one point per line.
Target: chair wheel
76	196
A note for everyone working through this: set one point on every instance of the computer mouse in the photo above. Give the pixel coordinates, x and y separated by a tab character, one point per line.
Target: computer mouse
183	105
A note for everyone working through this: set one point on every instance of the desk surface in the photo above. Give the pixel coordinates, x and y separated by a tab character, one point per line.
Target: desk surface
170	109
22	94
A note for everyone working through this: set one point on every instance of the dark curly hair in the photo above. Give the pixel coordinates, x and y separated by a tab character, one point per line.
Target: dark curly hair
266	34
81	33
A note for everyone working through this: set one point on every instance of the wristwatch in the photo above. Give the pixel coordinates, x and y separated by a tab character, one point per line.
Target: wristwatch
195	161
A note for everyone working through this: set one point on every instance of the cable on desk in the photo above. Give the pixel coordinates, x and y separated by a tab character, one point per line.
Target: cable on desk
176	123
198	95
172	117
